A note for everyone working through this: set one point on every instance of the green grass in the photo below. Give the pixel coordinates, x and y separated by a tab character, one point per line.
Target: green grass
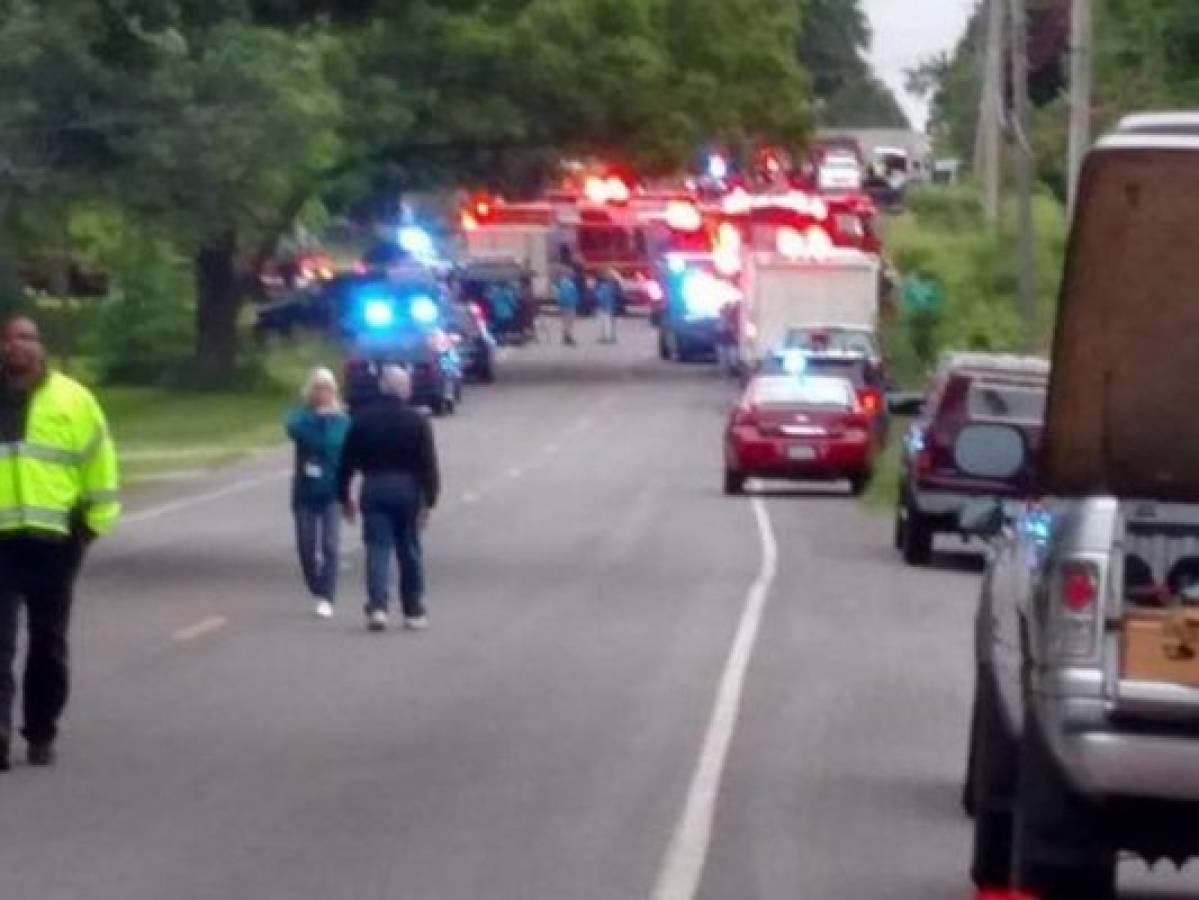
884	487
161	431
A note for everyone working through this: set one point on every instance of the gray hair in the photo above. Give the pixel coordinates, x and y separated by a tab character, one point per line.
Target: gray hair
319	377
395	381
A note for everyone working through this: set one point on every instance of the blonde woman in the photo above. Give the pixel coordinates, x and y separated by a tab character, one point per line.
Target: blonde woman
318	429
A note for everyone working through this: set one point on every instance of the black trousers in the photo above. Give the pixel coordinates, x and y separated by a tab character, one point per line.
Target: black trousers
40	575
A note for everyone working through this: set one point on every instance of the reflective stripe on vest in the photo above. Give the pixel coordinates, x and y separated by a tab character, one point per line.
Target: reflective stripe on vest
35	517
53	455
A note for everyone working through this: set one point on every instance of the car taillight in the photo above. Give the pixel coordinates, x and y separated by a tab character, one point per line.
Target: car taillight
870	400
1079	586
1073	633
745	417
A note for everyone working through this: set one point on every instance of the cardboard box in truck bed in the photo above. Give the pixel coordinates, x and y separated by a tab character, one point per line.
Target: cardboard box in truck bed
782	293
528	244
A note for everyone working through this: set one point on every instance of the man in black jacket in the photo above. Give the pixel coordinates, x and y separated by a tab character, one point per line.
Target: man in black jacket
391	444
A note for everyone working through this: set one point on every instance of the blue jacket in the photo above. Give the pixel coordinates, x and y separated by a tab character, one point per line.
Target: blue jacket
605	295
319	439
568	292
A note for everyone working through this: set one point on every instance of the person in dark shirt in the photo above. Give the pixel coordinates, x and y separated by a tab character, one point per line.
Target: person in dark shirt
392	446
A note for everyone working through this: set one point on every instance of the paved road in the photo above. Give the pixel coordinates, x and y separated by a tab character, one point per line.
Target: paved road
542	740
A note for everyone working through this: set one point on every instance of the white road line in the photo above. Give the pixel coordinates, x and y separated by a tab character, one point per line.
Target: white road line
683	868
201	628
166	509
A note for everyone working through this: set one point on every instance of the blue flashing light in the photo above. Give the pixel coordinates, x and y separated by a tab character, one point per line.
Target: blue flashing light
424	310
703	295
676	264
378	313
718	167
1038	526
795	362
417	242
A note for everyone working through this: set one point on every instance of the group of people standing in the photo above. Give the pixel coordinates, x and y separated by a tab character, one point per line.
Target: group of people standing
605	288
391	445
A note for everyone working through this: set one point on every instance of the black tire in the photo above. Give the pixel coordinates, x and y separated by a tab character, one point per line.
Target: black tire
1059	847
858	483
917	538
734	483
992	765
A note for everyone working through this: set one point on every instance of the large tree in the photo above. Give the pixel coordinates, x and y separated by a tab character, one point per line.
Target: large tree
835	37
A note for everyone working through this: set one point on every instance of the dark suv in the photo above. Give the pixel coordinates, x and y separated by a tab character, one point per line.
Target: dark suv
970	388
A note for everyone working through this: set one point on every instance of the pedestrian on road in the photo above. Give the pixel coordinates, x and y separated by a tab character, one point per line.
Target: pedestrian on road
58	492
607	293
391	444
567	291
318	430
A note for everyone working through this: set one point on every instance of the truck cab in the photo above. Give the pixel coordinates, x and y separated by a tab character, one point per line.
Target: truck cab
1085	728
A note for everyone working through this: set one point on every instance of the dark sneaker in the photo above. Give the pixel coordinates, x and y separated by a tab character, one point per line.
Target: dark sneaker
5	750
42	755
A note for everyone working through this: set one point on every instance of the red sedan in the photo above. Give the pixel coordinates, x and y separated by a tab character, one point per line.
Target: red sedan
801	427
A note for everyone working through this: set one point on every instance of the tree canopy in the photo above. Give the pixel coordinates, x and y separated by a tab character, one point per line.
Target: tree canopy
198	130
835	37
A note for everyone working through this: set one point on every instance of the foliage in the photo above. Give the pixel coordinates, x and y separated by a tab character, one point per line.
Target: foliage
942	237
145	329
834	38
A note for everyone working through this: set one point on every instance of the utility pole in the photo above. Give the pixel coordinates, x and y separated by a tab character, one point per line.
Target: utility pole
988	160
1025	174
1081	36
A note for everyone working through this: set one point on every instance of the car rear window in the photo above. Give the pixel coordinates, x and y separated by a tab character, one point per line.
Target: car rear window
805	390
839	340
852	370
993	400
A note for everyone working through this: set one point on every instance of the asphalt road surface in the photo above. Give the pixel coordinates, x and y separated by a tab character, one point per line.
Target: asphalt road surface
634	688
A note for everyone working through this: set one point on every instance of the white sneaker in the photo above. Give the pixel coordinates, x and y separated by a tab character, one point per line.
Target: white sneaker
376	620
417	623
323	609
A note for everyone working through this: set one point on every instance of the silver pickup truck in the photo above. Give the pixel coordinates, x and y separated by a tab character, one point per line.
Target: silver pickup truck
1085	729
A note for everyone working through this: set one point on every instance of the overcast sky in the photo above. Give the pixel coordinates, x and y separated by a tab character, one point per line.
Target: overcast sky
907	31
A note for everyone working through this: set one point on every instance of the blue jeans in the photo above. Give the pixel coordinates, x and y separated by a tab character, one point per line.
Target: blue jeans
391	510
318	541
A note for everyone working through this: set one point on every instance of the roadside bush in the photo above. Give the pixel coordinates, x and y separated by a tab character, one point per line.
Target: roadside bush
943	238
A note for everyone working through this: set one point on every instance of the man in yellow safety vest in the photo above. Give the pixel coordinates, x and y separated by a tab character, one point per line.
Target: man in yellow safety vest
58	492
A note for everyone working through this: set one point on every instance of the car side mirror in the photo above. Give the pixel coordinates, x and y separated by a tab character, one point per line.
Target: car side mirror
905	403
982	518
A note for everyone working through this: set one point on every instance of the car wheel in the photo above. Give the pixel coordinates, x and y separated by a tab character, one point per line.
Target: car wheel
989	793
1058	845
858	483
734	483
917	538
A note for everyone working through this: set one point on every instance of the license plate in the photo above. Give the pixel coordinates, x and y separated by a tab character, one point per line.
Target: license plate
801	453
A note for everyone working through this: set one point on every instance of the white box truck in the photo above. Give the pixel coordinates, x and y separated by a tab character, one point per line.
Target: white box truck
840	287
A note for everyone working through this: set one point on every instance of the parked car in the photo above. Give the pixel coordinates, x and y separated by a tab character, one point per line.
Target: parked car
969	388
1086	711
808	426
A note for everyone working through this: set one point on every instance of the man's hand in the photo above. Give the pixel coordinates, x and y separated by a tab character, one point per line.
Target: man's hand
349	511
